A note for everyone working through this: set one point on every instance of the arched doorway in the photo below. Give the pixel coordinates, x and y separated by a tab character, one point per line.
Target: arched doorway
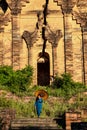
43	70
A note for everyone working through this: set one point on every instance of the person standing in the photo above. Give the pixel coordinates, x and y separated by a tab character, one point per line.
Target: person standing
38	105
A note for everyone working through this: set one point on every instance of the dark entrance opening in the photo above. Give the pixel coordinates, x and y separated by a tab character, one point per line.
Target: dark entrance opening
43	71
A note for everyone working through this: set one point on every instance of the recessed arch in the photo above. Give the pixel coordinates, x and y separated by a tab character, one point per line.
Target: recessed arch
43	69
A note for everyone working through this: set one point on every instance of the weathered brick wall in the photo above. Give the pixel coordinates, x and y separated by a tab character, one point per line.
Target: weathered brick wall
15	51
71	117
6	117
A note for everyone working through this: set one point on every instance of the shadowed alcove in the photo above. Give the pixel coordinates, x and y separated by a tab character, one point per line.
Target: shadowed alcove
43	70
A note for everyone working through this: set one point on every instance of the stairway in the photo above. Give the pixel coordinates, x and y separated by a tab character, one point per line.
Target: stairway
34	124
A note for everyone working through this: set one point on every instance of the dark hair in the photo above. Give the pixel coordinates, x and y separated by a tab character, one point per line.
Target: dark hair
37	96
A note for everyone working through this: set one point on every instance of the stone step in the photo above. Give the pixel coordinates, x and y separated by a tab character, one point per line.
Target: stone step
36	128
39	120
34	124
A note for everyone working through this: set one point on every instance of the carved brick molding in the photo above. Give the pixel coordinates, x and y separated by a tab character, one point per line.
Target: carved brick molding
53	36
30	37
80	13
66	5
16	5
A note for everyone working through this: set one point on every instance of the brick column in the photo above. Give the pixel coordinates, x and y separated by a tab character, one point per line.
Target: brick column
53	37
55	62
16	39
30	38
84	43
67	7
68	43
81	18
15	7
1	47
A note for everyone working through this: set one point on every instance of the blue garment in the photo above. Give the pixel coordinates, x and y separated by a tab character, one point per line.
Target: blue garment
38	104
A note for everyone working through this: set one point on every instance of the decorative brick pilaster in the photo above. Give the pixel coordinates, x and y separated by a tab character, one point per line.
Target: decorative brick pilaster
81	17
15	7
30	39
68	43
84	34
16	42
53	37
55	62
16	39
1	49
67	7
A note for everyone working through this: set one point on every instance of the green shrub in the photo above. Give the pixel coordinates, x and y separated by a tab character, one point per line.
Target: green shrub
62	81
6	73
66	86
16	81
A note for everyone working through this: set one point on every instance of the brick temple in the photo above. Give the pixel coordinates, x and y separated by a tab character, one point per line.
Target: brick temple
49	35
